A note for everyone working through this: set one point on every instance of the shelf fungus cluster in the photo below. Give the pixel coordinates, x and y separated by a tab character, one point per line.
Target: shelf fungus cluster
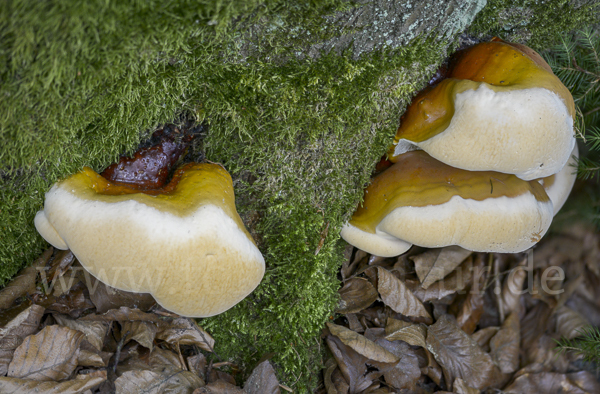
483	159
182	242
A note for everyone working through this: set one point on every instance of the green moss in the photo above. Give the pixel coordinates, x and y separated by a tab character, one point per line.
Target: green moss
539	24
84	82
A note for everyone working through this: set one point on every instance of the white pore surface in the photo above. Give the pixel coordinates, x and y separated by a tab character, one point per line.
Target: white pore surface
379	244
526	132
199	265
501	224
563	182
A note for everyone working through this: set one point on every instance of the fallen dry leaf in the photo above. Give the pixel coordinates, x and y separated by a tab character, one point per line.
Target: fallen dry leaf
505	345
184	331
143	332
453	283
24	282
94	331
361	345
197	364
569	323
413	334
397	296
262	380
219	387
483	336
470	312
581	382
78	385
460	356
436	264
351	365
51	354
14	332
90	359
460	387
175	381
356	295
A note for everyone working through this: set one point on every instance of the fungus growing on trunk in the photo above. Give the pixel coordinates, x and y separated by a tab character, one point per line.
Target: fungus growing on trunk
183	242
500	108
422	201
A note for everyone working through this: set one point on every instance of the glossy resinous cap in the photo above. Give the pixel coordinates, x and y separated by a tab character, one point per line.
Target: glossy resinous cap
500	109
421	201
184	243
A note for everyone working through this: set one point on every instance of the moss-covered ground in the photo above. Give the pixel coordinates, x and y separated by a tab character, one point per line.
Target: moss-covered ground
83	82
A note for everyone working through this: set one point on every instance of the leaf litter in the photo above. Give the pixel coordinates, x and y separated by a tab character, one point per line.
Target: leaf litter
63	331
464	322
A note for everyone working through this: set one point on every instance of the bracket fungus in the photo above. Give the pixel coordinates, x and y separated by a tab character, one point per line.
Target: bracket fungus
184	243
500	108
420	200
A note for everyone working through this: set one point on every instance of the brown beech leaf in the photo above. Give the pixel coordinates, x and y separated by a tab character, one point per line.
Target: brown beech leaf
184	331
460	356
262	380
512	289
219	387
483	336
143	332
356	295
51	354
436	264
123	314
551	382
171	380
413	334
403	374
534	324
470	312
156	361
24	282
333	385
90	359
78	385
361	345
460	387
12	334
397	296
506	344
352	365
94	331
106	298
197	364
569	323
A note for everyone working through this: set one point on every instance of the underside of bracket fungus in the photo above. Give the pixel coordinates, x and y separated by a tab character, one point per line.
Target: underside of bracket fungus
184	243
420	200
500	108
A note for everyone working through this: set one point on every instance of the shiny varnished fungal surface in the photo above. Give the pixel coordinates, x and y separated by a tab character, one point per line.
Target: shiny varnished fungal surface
418	180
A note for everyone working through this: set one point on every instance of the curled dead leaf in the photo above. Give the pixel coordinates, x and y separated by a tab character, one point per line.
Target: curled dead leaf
436	264
184	331
506	344
262	380
397	296
51	354
460	356
12	334
361	345
175	381
356	295
80	384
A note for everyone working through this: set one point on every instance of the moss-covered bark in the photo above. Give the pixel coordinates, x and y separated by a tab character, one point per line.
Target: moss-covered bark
301	102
